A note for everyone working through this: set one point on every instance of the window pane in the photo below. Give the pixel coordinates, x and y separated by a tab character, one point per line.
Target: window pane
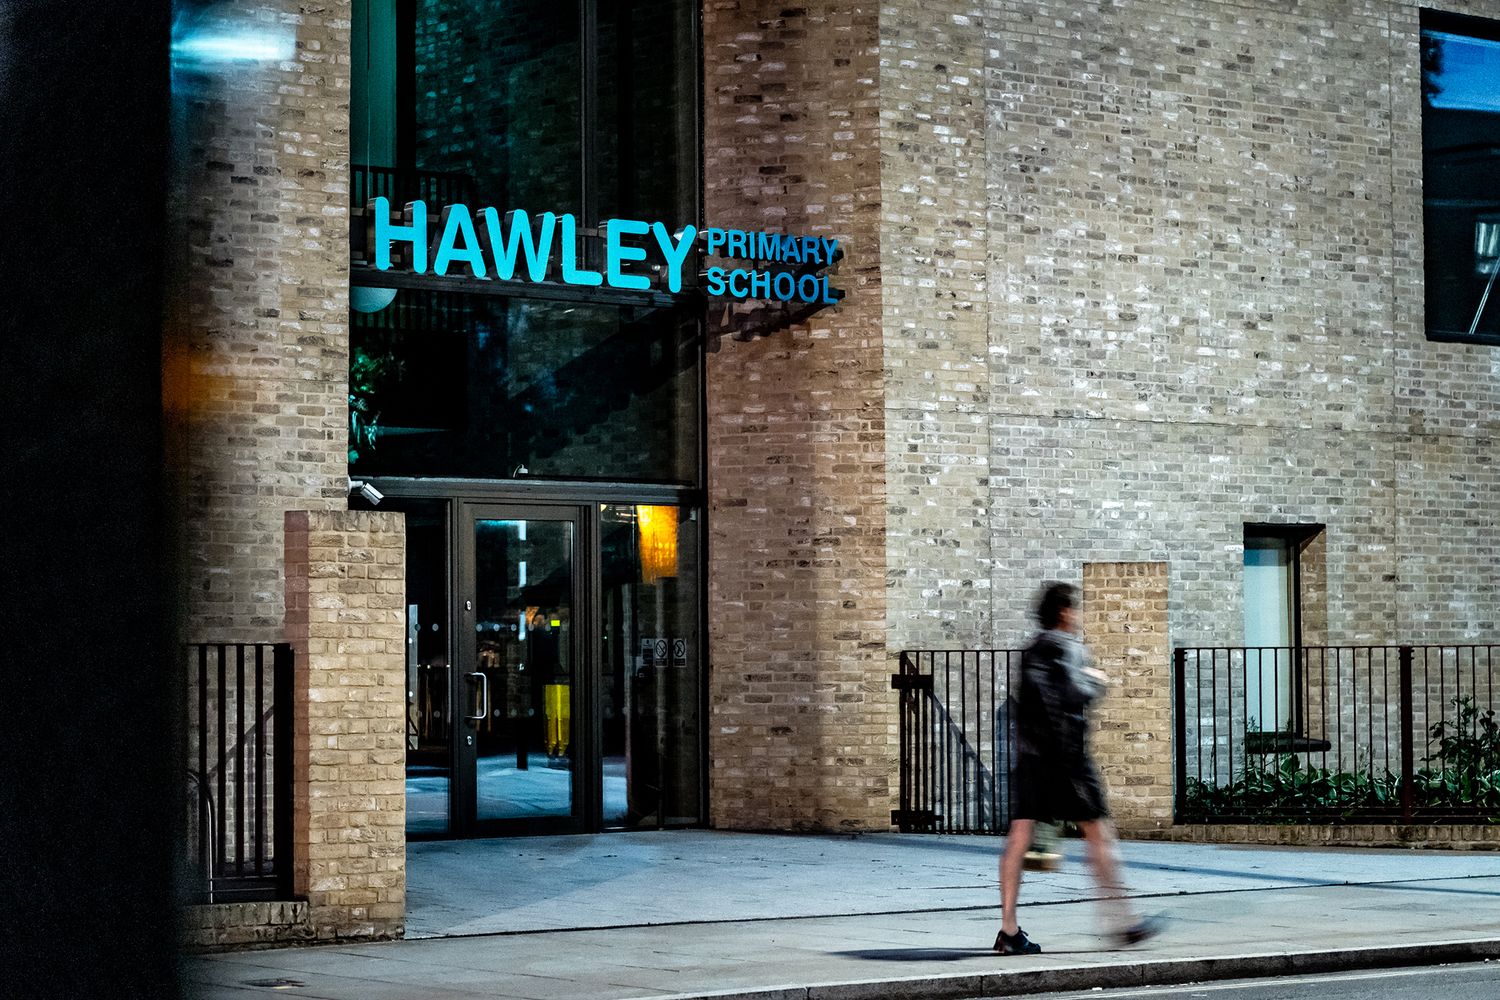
650	670
429	723
1268	592
1461	160
1268	602
647	102
448	384
496	98
373	115
523	579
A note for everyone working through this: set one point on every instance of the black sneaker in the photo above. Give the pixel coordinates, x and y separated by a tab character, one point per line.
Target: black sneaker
1016	944
1138	932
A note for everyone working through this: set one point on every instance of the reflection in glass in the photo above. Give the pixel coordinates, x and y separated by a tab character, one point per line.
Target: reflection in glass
459	101
497	99
650	666
429	723
483	102
646	146
446	384
523	573
1461	157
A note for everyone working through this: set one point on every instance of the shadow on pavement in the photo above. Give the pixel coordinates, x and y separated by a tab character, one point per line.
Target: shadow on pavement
915	954
939	954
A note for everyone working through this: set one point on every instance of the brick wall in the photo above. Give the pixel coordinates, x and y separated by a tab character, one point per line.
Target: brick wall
1125	625
1195	302
263	339
1201	307
1121	278
935	221
1447	397
346	621
802	723
226	926
1147	272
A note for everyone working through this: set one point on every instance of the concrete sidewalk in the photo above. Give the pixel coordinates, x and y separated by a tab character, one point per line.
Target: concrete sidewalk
701	913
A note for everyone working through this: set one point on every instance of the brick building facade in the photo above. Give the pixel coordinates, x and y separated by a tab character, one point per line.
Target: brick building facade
1147	272
1121	278
263	342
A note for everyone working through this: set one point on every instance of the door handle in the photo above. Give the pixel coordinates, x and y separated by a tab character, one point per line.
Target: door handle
484	687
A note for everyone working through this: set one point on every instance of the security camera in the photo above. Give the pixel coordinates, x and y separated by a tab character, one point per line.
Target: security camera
370	493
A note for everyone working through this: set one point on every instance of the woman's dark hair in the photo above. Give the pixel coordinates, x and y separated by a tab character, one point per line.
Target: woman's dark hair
1056	598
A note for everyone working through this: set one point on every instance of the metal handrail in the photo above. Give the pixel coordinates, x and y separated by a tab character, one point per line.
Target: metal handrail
205	834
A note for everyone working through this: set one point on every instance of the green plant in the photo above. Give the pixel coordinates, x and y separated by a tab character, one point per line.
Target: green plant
1284	788
370	372
1469	743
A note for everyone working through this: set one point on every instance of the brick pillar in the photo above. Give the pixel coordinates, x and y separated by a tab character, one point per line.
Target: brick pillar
802	724
261	344
345	594
1125	623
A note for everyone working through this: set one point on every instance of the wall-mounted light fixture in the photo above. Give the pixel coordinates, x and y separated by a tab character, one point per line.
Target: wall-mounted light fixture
363	299
657	526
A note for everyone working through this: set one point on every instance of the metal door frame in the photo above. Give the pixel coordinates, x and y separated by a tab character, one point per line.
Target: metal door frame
463	809
581	502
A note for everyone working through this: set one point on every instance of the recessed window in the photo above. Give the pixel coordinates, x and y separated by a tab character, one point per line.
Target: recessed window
1274	595
1460	164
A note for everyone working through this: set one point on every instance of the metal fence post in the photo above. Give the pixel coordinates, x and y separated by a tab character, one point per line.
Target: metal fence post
1179	735
900	819
1408	749
283	695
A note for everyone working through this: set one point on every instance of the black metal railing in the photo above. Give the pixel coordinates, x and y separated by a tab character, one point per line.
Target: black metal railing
956	741
239	778
400	186
1332	734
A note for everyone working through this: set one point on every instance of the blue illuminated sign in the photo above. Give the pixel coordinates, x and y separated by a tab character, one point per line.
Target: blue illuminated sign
792	281
520	247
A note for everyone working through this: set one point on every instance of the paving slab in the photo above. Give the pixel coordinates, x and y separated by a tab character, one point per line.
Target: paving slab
933	954
541	883
1230	911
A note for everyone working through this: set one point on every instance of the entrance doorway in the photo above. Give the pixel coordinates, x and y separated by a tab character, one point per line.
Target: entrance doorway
518	659
553	663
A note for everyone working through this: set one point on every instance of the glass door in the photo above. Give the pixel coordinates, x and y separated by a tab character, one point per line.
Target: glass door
519	751
649	676
554	664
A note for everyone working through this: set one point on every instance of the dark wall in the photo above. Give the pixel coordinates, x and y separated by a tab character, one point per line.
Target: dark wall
85	793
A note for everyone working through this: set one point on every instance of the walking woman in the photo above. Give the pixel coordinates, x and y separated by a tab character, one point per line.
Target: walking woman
1055	777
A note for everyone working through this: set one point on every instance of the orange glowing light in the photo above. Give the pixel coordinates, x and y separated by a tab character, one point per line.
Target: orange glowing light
658	532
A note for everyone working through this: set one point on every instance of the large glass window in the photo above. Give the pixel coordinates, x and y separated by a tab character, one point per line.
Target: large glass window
1461	164
528	105
483	387
582	108
575	700
647	101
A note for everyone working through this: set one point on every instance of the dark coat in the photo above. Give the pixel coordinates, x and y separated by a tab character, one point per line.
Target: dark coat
1056	777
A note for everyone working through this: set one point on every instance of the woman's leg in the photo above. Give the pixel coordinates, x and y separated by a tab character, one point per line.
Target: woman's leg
1099	838
1017	841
